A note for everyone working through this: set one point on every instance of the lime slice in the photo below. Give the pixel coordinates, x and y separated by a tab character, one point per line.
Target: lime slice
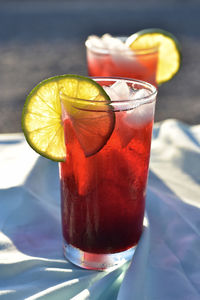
42	116
169	57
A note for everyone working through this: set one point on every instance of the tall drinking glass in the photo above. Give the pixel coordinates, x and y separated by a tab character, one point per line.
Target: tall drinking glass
103	193
137	64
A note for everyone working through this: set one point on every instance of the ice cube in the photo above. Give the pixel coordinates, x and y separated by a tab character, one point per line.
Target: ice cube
138	110
120	53
108	42
111	93
139	94
118	92
143	111
113	43
121	89
133	119
96	42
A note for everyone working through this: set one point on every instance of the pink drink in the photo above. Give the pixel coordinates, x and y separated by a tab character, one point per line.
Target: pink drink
103	195
141	64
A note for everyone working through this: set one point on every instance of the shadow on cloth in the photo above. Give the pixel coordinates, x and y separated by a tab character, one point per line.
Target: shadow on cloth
31	220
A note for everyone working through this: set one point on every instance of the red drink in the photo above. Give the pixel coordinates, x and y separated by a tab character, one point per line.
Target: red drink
104	203
141	64
103	195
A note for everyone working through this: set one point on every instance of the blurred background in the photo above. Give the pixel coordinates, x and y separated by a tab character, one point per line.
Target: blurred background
40	39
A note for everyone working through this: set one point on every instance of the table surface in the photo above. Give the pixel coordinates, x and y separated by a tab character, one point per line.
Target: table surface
40	39
166	262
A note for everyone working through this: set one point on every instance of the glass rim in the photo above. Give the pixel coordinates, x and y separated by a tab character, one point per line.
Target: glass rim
130	51
145	99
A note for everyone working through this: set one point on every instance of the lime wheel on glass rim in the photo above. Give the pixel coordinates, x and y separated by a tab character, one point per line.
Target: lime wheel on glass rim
42	115
169	50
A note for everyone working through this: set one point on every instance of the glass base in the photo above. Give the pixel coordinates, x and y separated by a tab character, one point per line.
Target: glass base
94	261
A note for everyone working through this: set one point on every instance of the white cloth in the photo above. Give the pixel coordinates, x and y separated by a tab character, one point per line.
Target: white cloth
166	264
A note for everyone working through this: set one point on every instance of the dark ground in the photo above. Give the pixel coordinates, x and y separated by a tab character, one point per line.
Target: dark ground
40	39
